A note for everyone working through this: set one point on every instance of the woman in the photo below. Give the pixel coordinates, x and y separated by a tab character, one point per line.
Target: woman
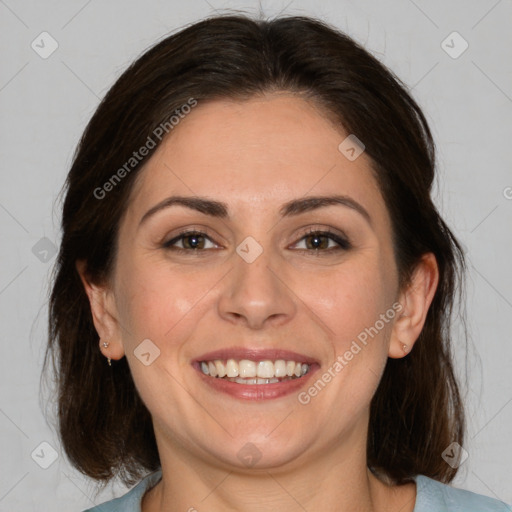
253	294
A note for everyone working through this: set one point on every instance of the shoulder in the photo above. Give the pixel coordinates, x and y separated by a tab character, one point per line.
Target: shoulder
433	495
131	501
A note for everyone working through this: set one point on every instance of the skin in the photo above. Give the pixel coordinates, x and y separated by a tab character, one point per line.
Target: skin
255	156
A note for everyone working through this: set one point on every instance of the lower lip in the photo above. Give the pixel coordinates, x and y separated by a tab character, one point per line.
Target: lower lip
257	391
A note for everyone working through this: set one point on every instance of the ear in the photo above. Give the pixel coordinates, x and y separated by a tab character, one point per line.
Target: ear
415	299
104	314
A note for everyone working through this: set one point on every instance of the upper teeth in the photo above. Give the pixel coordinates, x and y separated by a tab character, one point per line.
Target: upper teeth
247	369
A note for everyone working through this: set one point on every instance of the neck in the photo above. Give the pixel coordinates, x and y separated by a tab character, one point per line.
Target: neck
335	480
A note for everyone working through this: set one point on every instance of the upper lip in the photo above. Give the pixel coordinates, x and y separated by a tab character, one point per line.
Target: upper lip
256	354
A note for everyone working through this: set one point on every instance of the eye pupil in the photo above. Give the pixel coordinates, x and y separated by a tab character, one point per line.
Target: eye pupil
195	239
317	242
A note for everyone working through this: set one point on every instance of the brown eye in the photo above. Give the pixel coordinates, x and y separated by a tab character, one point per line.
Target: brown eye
320	240
193	241
190	241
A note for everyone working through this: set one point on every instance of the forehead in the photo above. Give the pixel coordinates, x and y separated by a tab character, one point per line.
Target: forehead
255	154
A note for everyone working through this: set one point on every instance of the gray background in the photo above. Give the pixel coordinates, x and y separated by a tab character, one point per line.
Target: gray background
45	104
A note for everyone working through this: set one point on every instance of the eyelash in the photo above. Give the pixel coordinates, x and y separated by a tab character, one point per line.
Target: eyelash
343	243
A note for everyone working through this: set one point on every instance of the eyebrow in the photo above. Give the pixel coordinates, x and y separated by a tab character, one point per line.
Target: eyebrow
220	210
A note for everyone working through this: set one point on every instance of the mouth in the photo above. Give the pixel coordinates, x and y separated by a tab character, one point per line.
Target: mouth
251	372
255	374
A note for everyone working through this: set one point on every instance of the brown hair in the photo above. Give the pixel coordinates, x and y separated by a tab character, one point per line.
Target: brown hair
416	413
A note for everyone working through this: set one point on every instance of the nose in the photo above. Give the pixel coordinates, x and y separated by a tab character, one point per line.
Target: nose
257	294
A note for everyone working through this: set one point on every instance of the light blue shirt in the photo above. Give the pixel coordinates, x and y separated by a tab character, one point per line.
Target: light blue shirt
431	496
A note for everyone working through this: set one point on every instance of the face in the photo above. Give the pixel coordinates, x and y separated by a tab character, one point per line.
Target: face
267	275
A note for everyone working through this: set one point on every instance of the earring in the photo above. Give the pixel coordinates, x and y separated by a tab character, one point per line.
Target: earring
405	348
106	344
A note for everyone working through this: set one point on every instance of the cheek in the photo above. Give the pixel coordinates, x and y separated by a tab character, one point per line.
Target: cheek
161	304
350	300
351	304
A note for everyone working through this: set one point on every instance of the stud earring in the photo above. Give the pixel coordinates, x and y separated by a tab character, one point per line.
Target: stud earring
106	344
405	348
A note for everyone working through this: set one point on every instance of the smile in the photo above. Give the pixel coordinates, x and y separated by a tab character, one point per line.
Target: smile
246	371
255	374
